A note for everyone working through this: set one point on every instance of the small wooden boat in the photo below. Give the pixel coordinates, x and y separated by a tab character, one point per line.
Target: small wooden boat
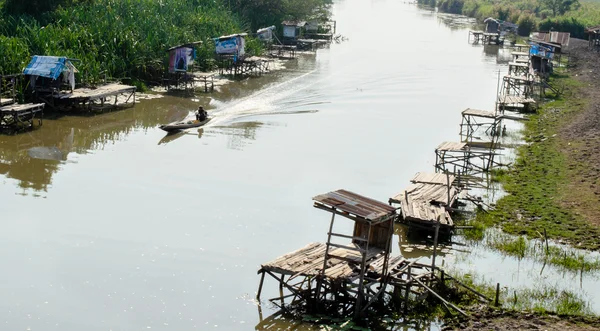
178	126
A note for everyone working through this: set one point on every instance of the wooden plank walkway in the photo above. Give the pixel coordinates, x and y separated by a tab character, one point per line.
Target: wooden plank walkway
97	93
513	99
479	113
308	261
451	146
427	193
5	101
432	178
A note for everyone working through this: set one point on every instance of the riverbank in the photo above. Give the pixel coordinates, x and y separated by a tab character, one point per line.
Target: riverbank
553	184
486	318
530	16
129	40
552	188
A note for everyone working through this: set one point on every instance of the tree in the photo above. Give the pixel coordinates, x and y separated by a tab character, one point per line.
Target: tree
560	6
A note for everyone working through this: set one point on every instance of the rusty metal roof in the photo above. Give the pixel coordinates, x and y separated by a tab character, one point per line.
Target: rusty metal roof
355	204
555	37
594	29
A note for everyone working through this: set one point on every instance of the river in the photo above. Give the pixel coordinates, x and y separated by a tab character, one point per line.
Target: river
116	228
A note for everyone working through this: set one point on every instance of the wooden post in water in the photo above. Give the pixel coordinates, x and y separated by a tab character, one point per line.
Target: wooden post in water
546	238
407	290
435	242
497	294
260	285
448	183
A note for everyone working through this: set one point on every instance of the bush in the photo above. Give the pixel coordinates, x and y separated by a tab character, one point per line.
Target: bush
14	54
564	24
527	23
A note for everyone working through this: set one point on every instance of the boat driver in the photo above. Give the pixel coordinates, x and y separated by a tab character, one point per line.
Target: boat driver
201	114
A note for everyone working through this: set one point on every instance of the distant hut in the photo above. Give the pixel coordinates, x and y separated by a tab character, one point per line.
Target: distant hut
181	57
292	30
492	25
231	45
266	34
51	73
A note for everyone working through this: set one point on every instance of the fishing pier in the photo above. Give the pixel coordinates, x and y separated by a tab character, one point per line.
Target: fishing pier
349	272
425	202
110	96
16	117
53	82
485	38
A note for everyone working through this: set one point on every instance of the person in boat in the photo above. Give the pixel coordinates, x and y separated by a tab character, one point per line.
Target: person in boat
201	114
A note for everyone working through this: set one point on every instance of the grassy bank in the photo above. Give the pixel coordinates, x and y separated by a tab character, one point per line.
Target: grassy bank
530	15
543	299
129	38
538	182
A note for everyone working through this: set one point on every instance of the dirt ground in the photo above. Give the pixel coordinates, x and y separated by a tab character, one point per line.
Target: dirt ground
489	319
581	134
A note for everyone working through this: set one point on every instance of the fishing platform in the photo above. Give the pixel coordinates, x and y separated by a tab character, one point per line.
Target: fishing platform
20	117
97	99
53	82
283	51
346	278
181	73
485	38
424	203
16	117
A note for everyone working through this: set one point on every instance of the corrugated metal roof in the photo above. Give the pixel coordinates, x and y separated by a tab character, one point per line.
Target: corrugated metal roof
355	204
594	29
555	37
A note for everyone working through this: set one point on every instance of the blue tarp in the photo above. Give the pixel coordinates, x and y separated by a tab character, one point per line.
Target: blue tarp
541	51
46	66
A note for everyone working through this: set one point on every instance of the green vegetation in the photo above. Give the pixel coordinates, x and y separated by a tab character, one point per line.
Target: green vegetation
129	38
542	299
559	15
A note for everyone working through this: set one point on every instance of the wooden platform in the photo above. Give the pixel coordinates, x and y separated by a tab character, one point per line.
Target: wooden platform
308	261
5	101
451	146
97	93
524	79
100	98
513	99
479	113
18	117
428	193
521	47
433	178
518	54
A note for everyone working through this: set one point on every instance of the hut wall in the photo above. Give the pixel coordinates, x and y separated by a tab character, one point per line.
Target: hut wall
379	233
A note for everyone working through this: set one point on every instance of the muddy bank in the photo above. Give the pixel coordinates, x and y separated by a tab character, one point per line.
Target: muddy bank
484	318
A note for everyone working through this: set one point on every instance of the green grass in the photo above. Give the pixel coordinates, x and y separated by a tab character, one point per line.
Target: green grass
542	299
129	38
530	15
536	183
563	257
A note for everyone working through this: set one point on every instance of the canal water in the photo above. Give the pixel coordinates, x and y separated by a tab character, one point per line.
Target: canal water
109	225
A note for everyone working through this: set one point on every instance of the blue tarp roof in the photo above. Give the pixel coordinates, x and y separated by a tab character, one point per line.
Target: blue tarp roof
46	66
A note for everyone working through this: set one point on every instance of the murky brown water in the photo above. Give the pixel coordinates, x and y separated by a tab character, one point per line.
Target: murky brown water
109	225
